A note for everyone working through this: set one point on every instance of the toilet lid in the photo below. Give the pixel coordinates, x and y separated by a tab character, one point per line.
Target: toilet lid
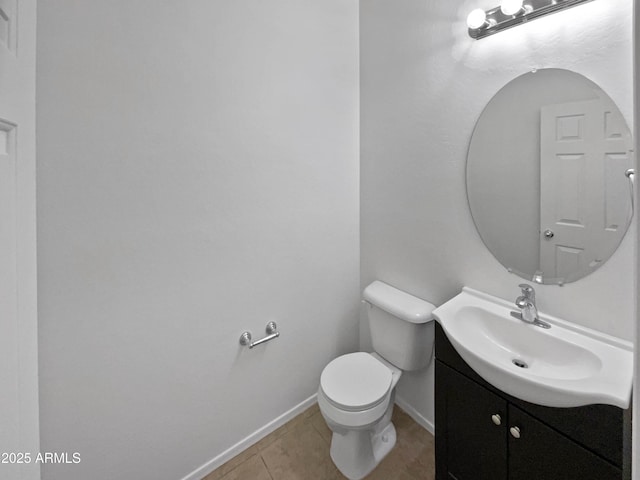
356	381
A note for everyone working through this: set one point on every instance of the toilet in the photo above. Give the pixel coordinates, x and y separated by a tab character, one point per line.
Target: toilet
357	390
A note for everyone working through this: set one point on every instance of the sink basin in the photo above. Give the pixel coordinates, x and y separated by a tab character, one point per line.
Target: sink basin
564	366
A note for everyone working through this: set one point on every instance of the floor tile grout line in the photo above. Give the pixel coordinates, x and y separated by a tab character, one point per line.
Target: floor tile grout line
266	467
238	465
321	435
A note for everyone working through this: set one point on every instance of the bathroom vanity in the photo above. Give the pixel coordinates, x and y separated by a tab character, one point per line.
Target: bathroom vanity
483	433
521	395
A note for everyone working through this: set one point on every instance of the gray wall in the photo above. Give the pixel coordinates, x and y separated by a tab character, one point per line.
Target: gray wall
197	176
424	83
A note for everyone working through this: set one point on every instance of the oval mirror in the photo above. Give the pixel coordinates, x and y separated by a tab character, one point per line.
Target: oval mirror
546	176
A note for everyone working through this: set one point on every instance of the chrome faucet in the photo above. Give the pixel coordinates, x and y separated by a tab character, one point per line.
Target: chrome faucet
527	304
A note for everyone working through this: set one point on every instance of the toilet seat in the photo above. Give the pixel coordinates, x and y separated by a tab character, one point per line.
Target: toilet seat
356	382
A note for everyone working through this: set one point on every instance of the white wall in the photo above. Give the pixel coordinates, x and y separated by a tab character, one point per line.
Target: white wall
635	451
424	83
197	176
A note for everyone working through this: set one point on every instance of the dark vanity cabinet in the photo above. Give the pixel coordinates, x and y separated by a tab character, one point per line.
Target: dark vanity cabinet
485	434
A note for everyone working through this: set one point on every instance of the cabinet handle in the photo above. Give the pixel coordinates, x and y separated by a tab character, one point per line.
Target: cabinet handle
515	432
496	419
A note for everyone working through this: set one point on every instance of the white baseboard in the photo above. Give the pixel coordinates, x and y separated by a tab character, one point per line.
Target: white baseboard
417	416
253	438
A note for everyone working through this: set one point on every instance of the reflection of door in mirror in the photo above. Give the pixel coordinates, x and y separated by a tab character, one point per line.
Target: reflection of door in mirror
583	156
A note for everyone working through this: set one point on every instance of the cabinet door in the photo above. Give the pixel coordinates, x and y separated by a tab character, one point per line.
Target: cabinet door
469	444
543	453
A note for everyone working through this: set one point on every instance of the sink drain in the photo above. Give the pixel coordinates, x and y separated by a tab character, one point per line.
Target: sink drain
519	363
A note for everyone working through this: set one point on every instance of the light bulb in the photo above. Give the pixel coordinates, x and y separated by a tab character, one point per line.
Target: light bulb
476	19
511	7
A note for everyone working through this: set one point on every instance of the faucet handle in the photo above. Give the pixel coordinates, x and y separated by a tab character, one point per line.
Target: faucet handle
527	290
523	302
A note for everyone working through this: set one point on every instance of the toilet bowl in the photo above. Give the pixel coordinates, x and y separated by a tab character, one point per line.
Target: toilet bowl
359	412
357	390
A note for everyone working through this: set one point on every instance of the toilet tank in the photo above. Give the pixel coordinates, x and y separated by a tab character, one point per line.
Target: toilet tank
402	326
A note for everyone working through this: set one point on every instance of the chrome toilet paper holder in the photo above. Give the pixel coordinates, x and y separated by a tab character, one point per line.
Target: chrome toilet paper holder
272	332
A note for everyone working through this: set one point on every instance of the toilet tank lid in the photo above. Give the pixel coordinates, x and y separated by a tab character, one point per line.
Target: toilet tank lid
398	303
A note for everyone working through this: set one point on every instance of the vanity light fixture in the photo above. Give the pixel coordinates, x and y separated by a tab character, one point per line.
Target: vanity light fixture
511	13
477	19
514	7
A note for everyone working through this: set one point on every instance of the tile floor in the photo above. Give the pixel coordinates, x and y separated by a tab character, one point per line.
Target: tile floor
299	450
